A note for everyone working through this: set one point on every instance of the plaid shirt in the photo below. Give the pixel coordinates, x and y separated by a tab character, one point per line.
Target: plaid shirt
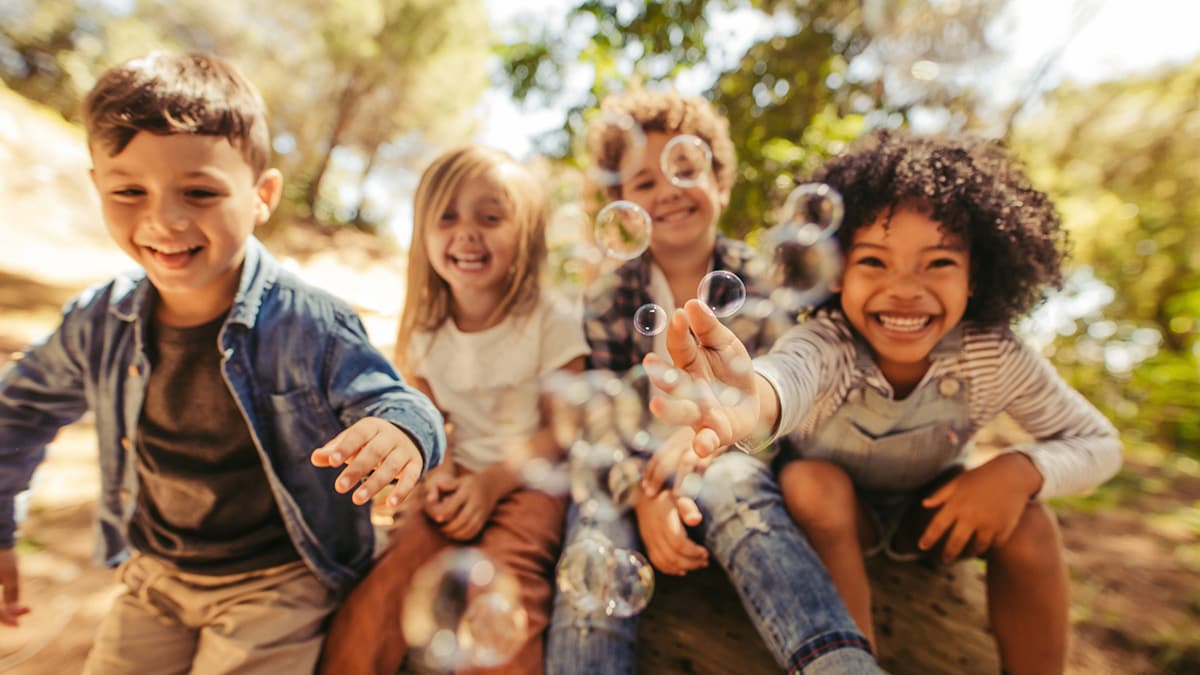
611	301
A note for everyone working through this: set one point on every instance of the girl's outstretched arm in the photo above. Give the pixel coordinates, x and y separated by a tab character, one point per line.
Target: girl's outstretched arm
713	387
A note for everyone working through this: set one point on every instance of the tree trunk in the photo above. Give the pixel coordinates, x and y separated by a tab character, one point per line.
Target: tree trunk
346	103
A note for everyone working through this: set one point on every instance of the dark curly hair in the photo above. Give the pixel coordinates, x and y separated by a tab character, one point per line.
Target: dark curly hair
973	189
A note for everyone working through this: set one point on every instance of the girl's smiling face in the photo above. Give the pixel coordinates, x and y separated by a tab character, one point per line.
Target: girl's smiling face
474	243
905	285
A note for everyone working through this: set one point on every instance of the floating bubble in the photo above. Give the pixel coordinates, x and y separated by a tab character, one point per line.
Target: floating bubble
462	611
564	395
650	319
583	569
685	159
622	145
816	208
624	481
590	465
632	583
723	292
595	576
622	230
635	425
804	265
543	475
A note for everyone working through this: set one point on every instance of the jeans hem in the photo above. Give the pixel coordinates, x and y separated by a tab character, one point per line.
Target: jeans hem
824	644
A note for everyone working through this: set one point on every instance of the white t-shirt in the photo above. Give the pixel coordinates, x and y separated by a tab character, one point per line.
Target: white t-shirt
488	383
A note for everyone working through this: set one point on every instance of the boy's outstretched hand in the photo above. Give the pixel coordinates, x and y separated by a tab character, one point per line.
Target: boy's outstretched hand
713	388
981	506
376	450
10	609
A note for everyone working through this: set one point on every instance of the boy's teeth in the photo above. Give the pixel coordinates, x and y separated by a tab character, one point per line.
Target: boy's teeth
903	324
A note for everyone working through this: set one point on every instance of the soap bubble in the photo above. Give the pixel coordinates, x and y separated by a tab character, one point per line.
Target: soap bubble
622	230
723	292
804	264
816	208
597	577
650	319
464	611
685	159
622	138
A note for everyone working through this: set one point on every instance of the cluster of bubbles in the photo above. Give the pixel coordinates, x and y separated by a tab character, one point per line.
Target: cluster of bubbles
465	611
799	258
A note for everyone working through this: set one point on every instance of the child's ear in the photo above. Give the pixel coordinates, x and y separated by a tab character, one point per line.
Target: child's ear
268	190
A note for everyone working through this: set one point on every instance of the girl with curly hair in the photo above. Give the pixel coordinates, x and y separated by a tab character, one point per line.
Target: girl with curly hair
945	244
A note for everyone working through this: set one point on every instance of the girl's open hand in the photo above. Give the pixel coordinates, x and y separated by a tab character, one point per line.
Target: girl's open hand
712	388
376	450
981	506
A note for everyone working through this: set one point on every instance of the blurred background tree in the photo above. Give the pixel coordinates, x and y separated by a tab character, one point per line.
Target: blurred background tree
361	80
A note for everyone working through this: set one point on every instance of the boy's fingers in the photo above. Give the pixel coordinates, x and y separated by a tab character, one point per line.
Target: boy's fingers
689	513
369	454
655	475
392	466
405	482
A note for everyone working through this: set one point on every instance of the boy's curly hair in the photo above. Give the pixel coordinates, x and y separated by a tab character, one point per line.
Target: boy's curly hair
973	189
164	93
667	112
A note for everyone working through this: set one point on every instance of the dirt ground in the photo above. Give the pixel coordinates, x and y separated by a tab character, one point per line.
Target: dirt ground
1133	550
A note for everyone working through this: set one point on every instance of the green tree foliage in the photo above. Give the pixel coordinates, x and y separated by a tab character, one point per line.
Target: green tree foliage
790	99
1121	160
338	76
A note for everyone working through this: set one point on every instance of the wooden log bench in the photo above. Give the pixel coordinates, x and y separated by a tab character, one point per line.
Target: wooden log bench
928	621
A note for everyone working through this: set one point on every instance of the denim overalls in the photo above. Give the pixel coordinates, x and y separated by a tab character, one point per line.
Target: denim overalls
891	448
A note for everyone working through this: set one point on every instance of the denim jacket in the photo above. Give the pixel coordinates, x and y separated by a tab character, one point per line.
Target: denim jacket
298	363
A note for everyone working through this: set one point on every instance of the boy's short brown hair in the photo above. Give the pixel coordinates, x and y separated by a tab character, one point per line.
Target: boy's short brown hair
164	93
667	112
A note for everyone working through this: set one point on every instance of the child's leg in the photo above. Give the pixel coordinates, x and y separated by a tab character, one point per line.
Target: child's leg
579	641
1028	595
821	499
525	535
365	635
264	622
138	635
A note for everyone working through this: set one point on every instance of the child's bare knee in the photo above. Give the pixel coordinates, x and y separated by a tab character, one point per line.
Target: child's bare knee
819	495
1034	543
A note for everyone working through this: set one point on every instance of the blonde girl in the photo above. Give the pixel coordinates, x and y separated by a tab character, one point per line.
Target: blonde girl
477	334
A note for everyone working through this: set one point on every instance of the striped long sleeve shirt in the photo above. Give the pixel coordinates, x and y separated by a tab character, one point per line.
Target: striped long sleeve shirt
815	365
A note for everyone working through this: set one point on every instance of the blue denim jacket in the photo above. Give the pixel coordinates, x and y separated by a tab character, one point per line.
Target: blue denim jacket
298	363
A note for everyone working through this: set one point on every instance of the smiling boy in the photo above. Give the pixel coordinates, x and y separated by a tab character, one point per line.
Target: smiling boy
226	394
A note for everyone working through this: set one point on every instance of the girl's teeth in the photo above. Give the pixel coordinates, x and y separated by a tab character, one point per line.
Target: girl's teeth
903	324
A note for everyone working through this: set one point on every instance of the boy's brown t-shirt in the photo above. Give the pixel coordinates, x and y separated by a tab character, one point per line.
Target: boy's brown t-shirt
203	503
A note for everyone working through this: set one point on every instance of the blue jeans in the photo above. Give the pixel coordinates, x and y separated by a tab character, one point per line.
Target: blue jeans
783	585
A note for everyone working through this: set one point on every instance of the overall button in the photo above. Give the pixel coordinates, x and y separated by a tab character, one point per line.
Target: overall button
855	395
949	386
126	444
133	371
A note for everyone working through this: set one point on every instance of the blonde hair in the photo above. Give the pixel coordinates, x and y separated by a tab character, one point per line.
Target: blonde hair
427	296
